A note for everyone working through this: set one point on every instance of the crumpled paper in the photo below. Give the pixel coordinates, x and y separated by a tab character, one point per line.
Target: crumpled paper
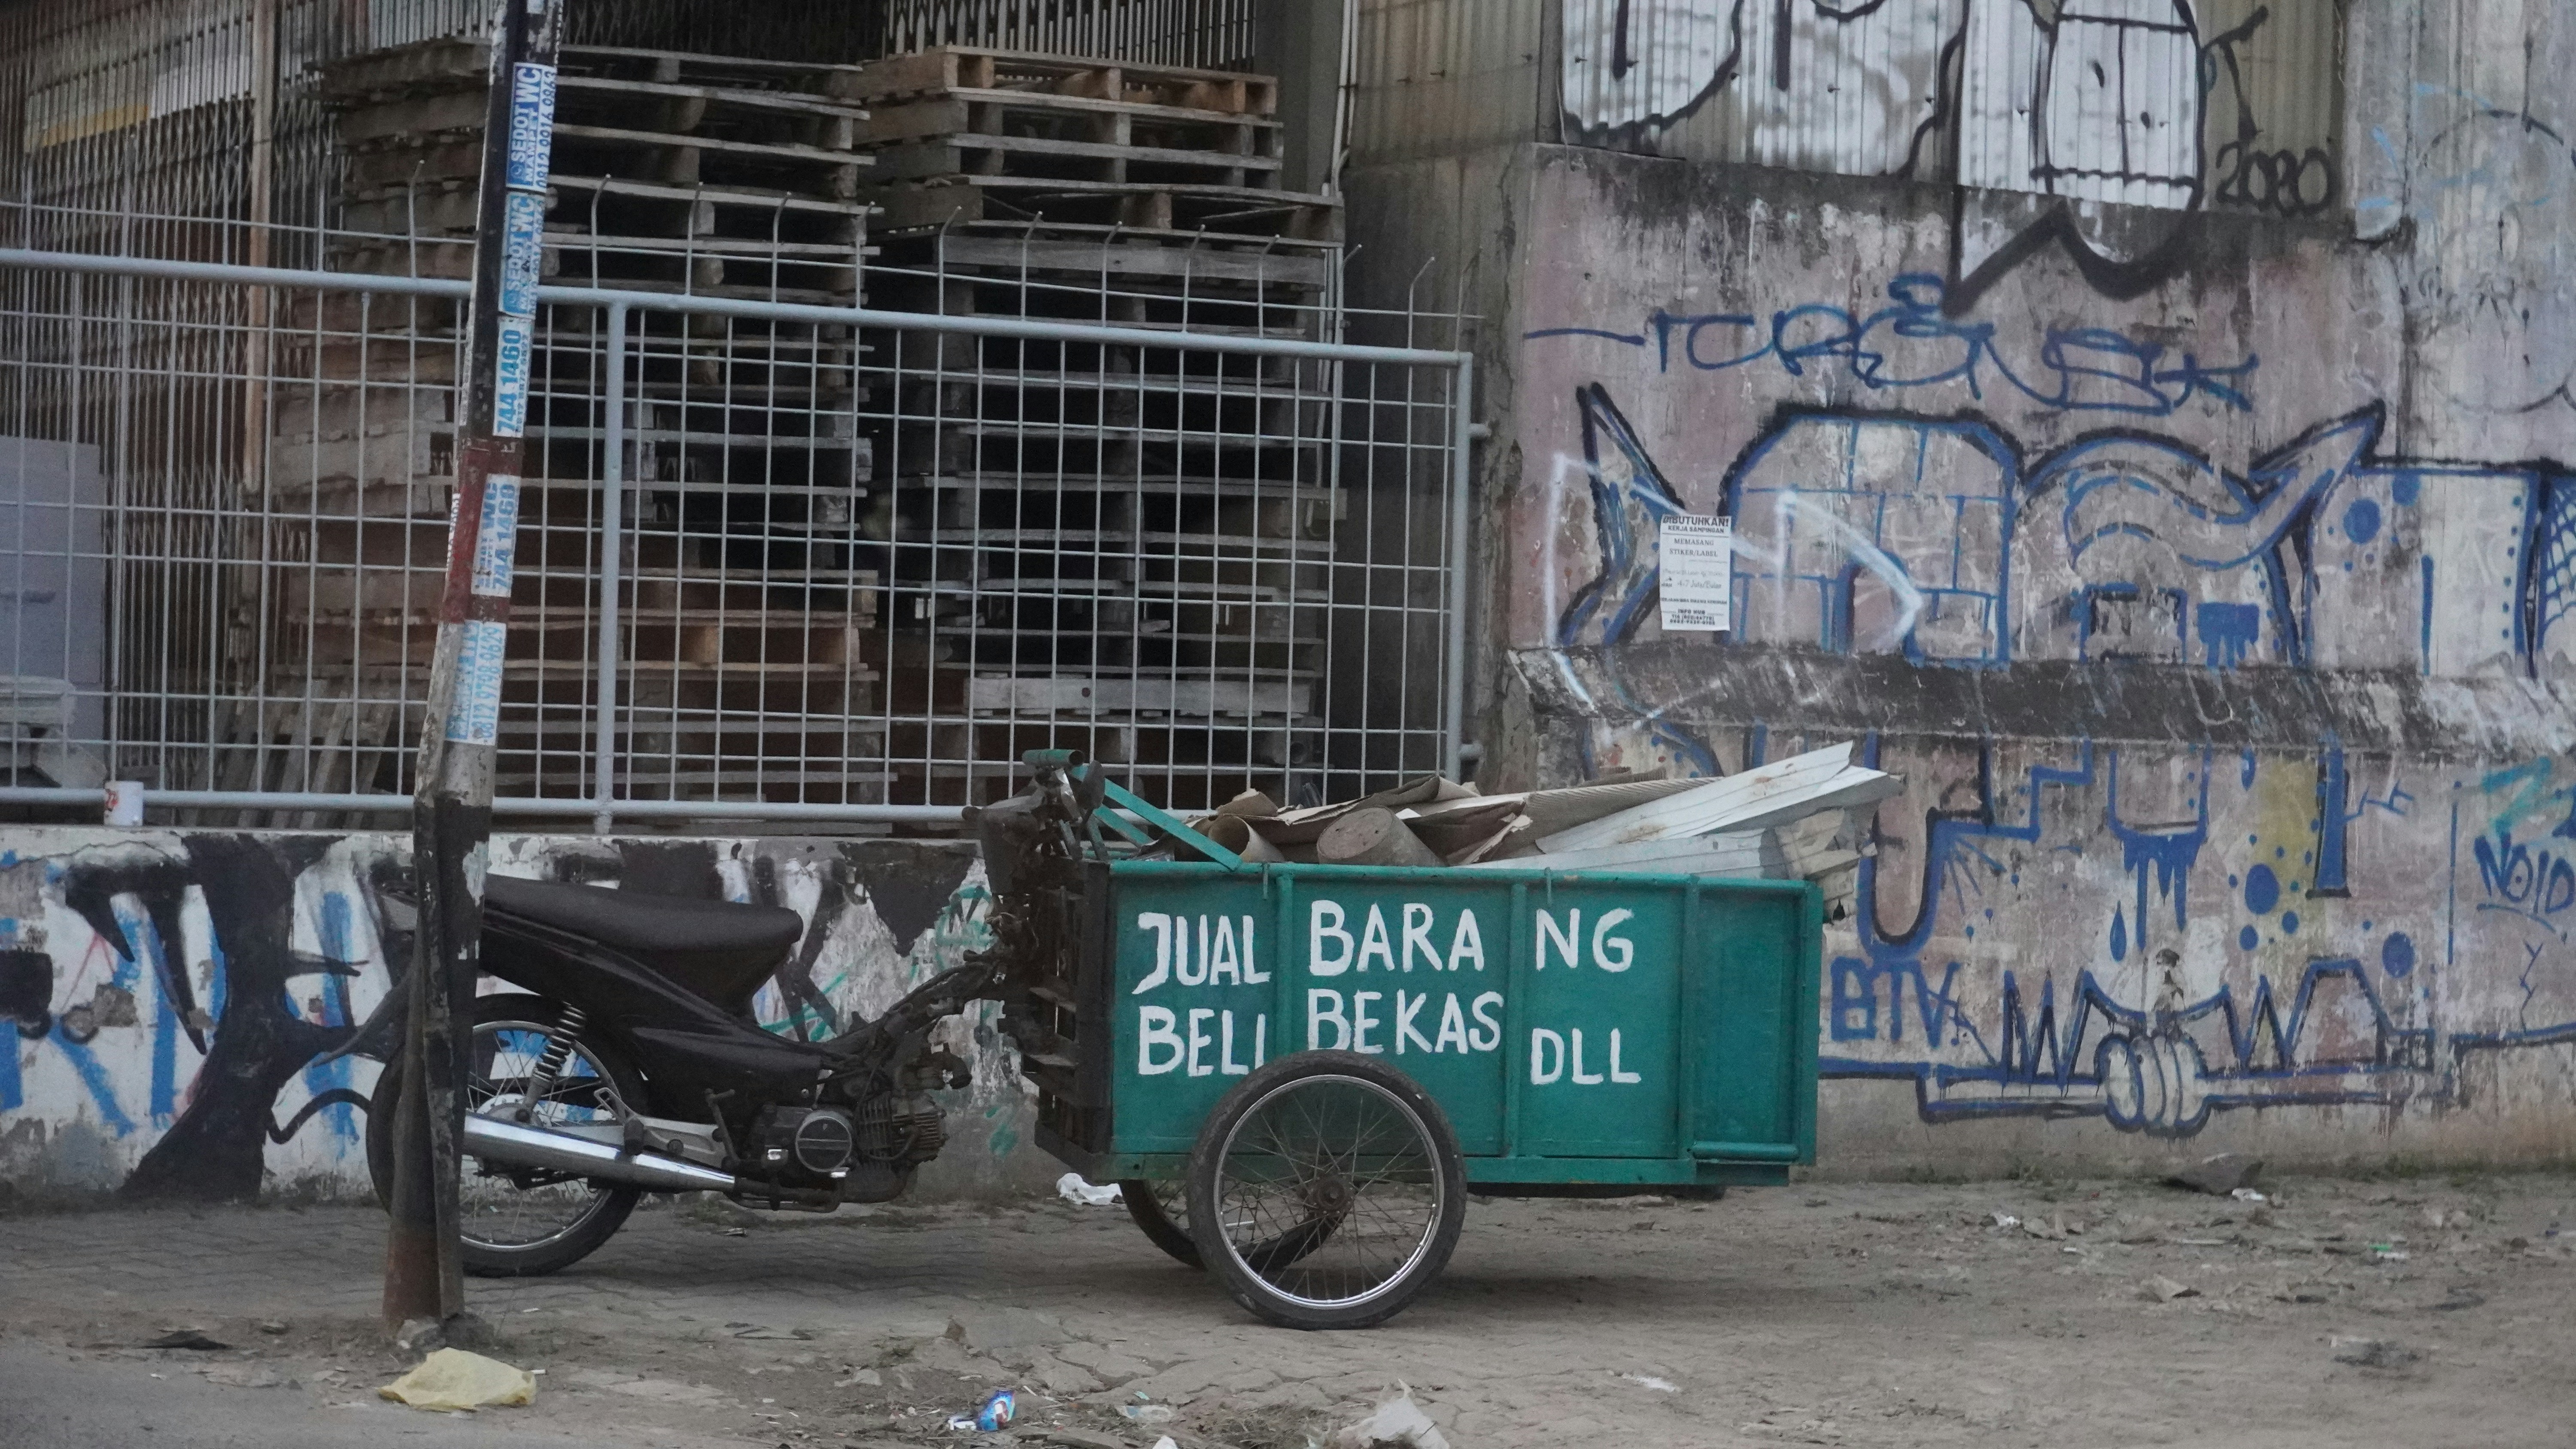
452	1379
1397	1422
1073	1189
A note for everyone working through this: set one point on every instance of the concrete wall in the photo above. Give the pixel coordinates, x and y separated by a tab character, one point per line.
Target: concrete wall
178	996
2207	576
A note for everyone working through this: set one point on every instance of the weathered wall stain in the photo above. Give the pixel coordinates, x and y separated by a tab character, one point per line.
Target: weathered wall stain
196	1014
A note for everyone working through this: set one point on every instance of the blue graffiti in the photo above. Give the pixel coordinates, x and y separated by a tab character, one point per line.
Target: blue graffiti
1630	498
1911	344
94	1076
2051	1050
2168	852
335	1074
2141	1069
2228	632
168	957
2538	884
2119	545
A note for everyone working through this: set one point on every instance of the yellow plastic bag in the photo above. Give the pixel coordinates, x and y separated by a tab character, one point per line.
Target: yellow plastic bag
453	1379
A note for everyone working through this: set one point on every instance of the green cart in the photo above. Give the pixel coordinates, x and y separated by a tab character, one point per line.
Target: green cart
1299	1072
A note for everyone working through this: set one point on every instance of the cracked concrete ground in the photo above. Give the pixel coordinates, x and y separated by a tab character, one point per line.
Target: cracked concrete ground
2425	1312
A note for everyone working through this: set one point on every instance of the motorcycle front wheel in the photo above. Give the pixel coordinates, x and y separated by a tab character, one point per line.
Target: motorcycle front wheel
517	1222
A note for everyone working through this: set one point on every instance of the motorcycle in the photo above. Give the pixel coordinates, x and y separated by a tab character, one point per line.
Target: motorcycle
627	1060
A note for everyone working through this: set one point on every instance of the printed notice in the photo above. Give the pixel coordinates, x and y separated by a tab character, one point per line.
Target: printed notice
496	541
1698	559
532	125
510	395
474	718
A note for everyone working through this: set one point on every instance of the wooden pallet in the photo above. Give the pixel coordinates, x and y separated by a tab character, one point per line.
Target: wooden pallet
1070	118
1046	158
829	80
438	86
955	67
1241	211
1251	697
1002	251
320	745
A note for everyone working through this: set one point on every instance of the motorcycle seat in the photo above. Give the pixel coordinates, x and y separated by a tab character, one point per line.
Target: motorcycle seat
717	949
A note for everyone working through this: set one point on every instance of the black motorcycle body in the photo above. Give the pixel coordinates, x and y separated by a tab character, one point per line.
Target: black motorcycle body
633	1061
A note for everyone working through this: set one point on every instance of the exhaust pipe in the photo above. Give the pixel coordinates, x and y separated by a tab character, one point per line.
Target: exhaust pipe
521	1146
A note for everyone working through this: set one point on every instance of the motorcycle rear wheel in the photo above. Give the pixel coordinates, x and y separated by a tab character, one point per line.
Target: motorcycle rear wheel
523	1225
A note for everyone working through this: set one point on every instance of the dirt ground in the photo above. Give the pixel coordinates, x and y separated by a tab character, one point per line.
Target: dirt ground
2419	1312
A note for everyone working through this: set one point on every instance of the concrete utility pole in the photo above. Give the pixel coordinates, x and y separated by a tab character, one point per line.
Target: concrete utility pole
452	815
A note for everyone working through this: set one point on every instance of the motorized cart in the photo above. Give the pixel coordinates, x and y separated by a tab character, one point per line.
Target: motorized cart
1301	1071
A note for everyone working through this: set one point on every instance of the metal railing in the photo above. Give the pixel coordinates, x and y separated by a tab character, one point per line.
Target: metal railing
777	561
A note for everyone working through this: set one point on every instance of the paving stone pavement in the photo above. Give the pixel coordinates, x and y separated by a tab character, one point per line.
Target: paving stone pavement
1835	1314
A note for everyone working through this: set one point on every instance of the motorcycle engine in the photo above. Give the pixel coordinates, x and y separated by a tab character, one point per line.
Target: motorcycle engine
901	1129
819	1141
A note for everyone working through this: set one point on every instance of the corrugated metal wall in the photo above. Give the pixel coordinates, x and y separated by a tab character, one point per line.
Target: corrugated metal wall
1436	76
1851	88
141	107
2275	106
2229	103
2106	104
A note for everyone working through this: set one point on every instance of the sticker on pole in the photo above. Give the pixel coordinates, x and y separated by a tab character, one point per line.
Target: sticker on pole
496	539
510	390
1696	574
532	125
474	718
523	251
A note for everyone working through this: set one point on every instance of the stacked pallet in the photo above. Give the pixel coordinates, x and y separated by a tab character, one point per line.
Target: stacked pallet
1119	549
753	597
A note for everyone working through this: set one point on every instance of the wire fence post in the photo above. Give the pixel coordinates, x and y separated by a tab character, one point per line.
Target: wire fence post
452	813
612	568
1453	681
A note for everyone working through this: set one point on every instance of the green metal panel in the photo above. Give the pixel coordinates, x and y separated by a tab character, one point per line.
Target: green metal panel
1601	1028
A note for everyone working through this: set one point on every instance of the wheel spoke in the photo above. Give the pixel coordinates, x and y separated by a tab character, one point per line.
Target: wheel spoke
497	1210
1328	1190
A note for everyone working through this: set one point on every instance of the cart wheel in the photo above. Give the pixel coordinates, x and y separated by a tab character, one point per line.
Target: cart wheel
1162	1211
1326	1191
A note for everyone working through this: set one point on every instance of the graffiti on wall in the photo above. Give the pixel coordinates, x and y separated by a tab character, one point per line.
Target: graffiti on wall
1907	348
197	1013
2158	104
2283	943
1939	539
2145	934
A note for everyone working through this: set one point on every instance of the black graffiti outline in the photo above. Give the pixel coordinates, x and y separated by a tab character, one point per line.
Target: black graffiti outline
2040	169
2239	159
1633	133
1949	80
216	1147
2114	281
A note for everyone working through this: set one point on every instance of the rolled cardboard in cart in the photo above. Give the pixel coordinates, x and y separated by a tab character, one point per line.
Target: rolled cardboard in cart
1250	805
1235	833
1372	836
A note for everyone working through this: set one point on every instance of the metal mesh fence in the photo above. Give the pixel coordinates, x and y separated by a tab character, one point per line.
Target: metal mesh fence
776	559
